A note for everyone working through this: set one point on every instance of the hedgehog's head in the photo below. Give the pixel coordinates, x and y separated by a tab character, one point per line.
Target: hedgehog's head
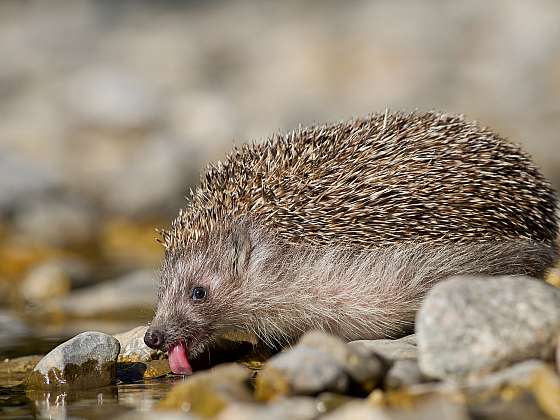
201	294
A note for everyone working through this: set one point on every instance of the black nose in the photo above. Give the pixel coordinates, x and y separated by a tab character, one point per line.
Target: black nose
154	338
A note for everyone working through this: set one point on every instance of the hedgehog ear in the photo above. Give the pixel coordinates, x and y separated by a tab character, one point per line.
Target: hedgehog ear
241	252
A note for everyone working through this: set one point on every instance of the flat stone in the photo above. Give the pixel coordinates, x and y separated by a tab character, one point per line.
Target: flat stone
300	371
14	371
133	348
403	373
207	393
402	348
363	367
469	326
85	361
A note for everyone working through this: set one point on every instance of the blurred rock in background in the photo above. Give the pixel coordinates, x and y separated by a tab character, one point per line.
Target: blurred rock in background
110	109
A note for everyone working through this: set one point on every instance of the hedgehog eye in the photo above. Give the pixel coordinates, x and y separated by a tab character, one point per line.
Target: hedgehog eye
198	293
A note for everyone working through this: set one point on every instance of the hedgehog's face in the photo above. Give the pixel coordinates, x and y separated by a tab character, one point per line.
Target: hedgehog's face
199	296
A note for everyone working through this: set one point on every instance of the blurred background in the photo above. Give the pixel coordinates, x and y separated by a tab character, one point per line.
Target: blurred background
109	110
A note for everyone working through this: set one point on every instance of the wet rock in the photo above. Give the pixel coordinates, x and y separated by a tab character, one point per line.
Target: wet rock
296	408
300	371
467	326
85	361
404	372
129	296
14	371
161	415
402	348
207	393
133	348
45	282
363	367
157	369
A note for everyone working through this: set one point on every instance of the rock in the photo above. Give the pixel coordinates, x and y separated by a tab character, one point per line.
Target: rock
402	348
363	367
468	326
85	361
300	371
527	390
57	220
207	393
129	296
45	282
130	372
404	372
133	348
14	371
161	415
296	408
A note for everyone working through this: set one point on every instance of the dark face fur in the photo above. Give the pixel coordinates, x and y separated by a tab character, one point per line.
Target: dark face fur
199	292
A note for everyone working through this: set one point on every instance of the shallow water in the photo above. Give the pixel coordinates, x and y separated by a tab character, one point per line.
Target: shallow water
101	403
17	402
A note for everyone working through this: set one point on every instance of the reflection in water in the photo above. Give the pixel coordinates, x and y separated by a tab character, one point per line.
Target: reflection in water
98	403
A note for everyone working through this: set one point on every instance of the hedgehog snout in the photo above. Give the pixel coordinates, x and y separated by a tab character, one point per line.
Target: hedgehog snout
154	338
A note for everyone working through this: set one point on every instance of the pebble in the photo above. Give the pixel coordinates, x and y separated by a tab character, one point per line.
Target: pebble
402	348
403	373
85	361
207	393
300	371
468	326
133	348
363	367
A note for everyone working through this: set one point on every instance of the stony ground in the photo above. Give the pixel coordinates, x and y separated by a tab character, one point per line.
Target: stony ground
484	348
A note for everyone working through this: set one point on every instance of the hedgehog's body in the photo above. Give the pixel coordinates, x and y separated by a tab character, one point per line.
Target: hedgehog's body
345	227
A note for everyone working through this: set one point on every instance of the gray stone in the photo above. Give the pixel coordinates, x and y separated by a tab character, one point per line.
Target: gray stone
133	348
296	408
85	361
130	294
302	371
403	373
402	348
468	326
361	365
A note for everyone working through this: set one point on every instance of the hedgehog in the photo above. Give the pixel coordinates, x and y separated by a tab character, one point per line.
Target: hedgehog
344	227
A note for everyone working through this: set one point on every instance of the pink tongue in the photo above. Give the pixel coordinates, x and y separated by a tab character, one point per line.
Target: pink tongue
178	361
